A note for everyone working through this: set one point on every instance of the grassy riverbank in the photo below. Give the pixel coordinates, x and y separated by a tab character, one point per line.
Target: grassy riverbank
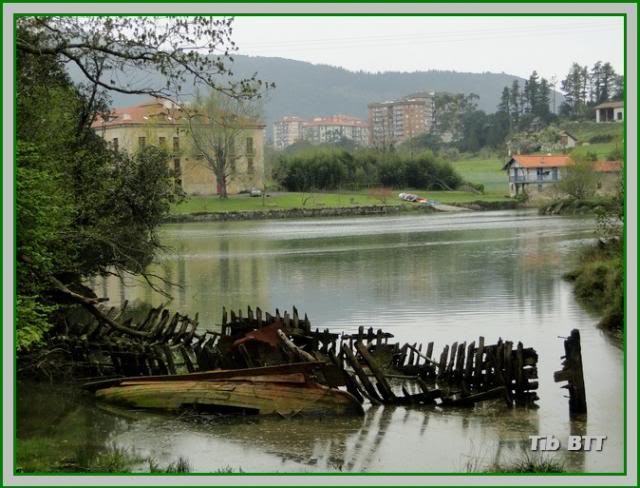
287	201
599	282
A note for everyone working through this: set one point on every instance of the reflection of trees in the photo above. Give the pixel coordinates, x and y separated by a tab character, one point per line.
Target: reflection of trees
340	278
57	428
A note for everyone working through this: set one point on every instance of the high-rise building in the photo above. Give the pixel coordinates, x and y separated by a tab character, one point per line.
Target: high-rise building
395	121
333	129
287	131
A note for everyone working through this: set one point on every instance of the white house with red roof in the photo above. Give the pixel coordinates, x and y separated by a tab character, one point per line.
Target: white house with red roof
534	174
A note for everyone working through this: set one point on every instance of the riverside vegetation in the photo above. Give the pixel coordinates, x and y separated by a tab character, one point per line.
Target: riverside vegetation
600	275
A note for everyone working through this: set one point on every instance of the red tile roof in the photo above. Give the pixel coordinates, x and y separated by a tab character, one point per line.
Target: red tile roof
608	166
548	161
154	111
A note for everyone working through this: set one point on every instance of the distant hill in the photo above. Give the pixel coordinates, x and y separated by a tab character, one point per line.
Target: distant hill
311	90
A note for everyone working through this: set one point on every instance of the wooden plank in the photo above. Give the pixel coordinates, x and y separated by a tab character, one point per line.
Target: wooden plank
287	320
442	366
246	357
418	355
350	382
458	400
307	323
412	350
258	317
379	338
383	385
507	353
168	356
459	369
454	352
478	363
519	364
362	376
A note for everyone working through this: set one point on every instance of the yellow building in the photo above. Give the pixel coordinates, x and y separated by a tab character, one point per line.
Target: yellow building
159	123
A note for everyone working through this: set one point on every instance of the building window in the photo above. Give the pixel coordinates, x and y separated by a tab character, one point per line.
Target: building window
142	142
115	143
249	145
162	142
250	167
619	115
176	144
177	172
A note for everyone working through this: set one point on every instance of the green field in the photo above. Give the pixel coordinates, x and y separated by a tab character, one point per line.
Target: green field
283	201
487	172
585	132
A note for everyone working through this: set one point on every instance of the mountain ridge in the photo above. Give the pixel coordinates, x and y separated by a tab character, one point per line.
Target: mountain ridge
320	90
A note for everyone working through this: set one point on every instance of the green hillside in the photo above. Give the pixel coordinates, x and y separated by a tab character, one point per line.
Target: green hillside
310	90
601	139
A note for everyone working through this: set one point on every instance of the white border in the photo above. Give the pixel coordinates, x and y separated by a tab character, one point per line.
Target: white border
630	114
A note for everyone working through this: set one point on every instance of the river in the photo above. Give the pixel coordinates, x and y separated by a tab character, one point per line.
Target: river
441	278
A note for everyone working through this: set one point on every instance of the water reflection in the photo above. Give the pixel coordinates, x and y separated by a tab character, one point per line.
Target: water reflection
436	278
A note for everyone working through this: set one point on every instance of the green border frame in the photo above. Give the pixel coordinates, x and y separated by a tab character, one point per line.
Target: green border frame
324	14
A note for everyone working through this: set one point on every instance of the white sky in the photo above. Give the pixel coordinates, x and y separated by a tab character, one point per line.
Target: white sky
514	45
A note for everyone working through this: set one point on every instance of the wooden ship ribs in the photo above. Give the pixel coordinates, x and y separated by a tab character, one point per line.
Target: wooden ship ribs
367	364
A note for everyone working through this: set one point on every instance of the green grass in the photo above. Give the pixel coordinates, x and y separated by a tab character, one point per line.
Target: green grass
285	201
487	172
584	131
602	150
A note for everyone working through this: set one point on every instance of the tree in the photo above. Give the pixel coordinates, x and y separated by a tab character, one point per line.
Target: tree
618	88
451	110
111	51
82	208
574	87
515	103
596	83
218	126
580	180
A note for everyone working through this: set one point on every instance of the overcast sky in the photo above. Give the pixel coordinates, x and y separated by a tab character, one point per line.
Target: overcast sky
514	45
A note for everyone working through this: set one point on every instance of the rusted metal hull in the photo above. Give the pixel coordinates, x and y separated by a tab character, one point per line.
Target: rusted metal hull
284	395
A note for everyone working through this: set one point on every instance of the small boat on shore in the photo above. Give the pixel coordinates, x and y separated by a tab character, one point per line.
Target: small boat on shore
285	390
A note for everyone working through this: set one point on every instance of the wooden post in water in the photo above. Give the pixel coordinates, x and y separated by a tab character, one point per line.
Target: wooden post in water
573	374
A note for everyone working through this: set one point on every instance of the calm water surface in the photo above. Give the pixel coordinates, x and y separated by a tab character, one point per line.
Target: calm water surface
440	278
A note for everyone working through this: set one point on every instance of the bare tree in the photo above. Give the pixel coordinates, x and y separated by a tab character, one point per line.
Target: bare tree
221	128
155	56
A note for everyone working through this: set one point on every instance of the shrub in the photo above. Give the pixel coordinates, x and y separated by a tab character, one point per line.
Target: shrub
329	169
601	138
616	154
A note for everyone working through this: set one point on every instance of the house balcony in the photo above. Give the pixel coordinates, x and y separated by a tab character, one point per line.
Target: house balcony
533	179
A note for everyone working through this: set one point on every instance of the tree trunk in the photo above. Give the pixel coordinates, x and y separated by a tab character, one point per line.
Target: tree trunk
222	182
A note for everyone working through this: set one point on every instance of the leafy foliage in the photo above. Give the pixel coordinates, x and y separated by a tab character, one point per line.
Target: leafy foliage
82	208
584	88
330	169
580	181
107	49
